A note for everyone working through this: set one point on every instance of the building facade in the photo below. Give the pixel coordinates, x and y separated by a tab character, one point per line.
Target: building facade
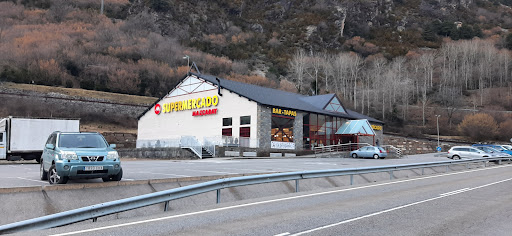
203	110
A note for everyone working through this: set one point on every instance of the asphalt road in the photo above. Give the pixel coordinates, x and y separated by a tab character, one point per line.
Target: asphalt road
26	173
471	202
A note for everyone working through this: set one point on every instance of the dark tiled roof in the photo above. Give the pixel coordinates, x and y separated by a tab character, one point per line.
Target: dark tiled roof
279	98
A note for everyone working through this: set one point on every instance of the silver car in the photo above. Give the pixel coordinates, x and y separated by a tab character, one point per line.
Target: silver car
369	151
459	152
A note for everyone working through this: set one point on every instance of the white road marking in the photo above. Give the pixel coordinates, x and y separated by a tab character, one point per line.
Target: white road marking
320	163
31	180
399	207
283	234
217	172
284	199
254	170
142	172
455	192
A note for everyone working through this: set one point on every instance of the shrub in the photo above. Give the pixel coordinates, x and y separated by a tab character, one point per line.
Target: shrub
478	127
505	130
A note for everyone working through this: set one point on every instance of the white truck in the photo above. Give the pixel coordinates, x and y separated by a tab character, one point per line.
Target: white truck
24	138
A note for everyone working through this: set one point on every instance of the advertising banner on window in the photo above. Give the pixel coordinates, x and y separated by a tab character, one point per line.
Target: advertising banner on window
282	145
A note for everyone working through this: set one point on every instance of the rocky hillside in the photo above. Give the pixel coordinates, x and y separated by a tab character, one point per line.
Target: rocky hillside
380	56
266	33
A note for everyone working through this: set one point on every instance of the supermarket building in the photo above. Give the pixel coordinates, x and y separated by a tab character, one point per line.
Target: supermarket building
207	114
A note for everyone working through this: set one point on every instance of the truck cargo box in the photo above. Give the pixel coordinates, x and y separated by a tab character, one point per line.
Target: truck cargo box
29	135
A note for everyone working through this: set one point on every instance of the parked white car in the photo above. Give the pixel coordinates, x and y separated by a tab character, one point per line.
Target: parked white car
458	152
369	151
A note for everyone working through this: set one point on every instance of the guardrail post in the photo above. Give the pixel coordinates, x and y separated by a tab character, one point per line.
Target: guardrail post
499	162
422	171
391	175
351	179
446	169
296	185
166	207
94	219
218	196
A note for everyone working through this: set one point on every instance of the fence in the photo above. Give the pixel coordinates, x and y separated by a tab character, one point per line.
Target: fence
113	207
332	149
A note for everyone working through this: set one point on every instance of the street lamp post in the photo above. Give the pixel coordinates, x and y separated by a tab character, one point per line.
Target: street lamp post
188	60
437	116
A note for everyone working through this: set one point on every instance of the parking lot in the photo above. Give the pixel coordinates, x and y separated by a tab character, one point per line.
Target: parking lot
26	173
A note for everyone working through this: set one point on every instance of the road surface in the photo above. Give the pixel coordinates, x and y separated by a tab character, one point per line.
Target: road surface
470	202
26	173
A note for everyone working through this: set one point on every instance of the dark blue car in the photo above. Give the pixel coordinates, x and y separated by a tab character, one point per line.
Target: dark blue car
495	146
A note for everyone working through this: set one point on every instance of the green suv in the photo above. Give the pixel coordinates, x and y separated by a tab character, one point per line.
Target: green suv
79	155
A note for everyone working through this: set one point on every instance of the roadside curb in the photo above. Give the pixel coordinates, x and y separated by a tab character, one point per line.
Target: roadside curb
61	187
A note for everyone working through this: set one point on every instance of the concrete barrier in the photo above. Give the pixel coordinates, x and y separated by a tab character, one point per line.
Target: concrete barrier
249	154
232	153
275	154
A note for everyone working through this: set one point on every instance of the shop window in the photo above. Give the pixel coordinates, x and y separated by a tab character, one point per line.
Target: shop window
313	119
227	121
245	120
245	132
306	119
227	132
282	129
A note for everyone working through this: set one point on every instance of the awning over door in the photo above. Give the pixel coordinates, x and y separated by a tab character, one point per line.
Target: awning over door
356	127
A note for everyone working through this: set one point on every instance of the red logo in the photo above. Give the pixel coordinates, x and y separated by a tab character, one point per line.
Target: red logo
158	109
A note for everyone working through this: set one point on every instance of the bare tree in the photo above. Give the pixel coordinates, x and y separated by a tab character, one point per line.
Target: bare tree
298	67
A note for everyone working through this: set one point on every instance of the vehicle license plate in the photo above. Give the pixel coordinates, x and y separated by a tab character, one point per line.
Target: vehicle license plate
93	168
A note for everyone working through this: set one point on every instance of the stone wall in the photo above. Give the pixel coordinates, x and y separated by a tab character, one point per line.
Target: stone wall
264	126
298	131
157	153
122	140
35	104
410	146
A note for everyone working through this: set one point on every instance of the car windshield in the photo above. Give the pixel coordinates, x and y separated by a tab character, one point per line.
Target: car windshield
81	141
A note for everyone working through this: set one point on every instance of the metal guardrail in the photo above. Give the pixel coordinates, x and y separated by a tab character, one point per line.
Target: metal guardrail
113	207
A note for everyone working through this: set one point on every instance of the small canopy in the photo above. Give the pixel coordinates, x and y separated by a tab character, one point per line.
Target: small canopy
356	127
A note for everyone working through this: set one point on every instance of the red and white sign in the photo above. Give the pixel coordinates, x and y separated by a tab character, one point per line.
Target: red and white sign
158	109
205	112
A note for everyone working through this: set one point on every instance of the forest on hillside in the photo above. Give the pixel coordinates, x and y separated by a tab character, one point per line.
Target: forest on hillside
388	59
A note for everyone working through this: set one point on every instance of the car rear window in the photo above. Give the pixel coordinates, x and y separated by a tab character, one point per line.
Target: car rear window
81	141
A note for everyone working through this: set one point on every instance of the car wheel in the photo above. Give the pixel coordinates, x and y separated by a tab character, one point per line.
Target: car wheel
354	155
42	173
119	176
455	157
106	179
375	156
54	177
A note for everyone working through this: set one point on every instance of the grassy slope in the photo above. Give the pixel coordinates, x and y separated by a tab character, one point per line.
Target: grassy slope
113	97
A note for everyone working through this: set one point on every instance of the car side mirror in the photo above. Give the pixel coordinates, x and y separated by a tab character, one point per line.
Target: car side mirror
50	146
112	146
